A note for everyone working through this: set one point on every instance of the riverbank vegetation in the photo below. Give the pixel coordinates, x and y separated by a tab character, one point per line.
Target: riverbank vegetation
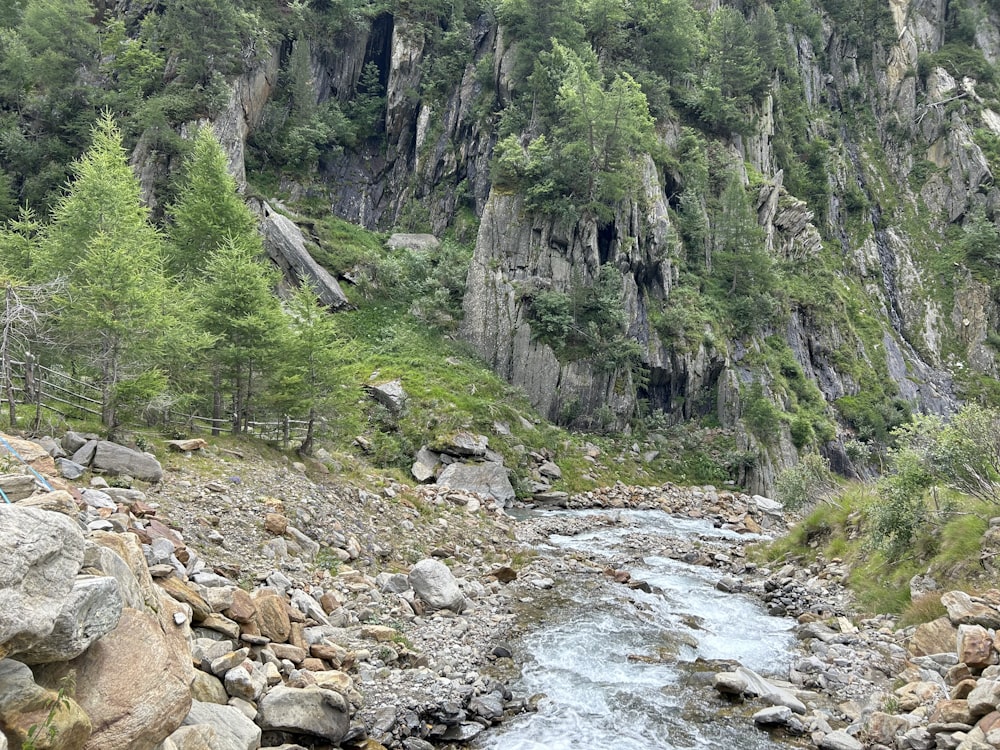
930	514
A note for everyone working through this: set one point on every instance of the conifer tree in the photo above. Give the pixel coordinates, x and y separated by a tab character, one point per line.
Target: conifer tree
310	350
208	209
102	242
242	313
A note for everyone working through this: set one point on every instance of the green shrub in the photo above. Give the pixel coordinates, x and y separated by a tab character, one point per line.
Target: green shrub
806	483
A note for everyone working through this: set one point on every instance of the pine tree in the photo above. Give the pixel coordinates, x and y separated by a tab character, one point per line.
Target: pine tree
208	208
241	312
102	242
310	351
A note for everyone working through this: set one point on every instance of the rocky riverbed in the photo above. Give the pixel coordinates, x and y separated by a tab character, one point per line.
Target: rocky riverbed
237	603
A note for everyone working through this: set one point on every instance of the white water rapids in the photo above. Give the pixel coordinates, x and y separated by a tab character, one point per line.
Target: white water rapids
577	654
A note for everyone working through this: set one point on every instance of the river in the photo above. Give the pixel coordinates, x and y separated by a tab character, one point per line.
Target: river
619	667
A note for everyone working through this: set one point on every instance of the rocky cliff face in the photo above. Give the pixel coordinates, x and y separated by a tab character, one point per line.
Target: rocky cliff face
904	170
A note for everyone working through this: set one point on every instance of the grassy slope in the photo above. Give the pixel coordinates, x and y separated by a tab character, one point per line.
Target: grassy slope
947	548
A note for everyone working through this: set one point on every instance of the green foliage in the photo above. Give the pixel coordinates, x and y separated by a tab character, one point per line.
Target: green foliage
240	311
741	59
741	266
980	244
101	239
588	162
586	322
46	733
872	415
966	452
760	414
685	320
208	208
805	484
866	23
309	352
961	59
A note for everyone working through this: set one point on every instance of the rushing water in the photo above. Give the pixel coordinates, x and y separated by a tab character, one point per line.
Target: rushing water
596	696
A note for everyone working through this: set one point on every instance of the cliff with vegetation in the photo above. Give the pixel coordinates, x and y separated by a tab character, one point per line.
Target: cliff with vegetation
776	220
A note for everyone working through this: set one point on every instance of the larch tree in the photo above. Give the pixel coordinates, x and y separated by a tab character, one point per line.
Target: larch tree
241	312
208	208
311	348
102	242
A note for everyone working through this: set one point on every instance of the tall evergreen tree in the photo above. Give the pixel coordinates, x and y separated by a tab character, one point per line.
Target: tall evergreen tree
102	242
310	350
244	316
208	209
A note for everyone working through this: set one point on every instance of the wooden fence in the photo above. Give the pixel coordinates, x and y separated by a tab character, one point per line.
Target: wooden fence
55	391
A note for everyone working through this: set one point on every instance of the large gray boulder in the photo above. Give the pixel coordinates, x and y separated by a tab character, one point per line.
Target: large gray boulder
90	611
40	554
310	710
117	459
391	395
420	242
484	479
425	464
434	583
286	246
222	727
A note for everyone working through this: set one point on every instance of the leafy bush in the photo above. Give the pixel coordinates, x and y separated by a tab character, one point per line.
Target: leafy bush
761	415
806	483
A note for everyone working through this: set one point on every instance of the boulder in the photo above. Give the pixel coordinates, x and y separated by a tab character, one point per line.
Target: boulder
59	501
776	696
418	242
425	464
245	681
934	637
391	395
84	455
485	479
434	583
182	592
31	453
69	469
40	555
73	441
208	689
975	647
550	469
117	459
90	611
230	729
130	683
984	698
286	246
185	446
309	710
464	444
883	728
773	716
839	740
121	556
272	615
18	486
24	704
965	610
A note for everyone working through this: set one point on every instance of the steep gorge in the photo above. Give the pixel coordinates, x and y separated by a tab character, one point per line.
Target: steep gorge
781	242
886	298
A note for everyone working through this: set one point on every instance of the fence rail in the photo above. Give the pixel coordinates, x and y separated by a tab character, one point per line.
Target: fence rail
58	392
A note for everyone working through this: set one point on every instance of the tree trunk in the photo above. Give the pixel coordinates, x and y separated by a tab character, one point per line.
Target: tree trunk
306	448
216	401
